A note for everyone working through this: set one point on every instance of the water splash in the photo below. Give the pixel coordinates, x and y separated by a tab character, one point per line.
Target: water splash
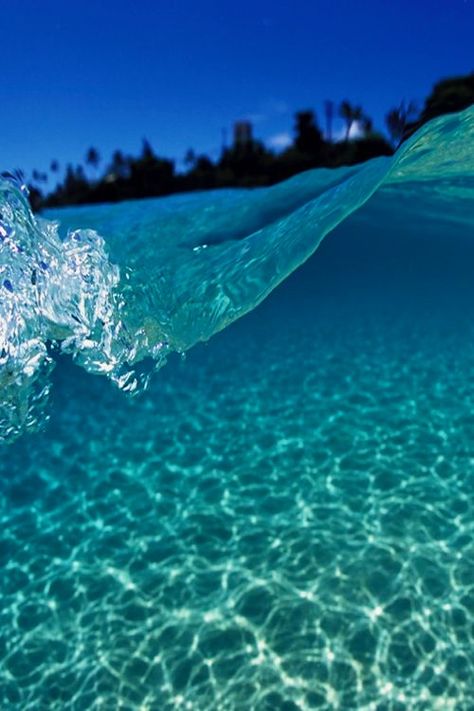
175	271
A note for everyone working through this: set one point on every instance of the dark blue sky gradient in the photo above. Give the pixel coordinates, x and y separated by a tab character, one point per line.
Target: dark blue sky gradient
107	73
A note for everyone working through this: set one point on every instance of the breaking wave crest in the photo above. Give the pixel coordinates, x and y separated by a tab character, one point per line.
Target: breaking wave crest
172	272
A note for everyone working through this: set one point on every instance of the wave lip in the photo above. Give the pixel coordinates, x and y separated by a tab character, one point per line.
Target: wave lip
181	269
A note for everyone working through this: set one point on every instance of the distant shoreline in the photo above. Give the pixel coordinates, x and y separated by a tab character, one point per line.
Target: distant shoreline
247	162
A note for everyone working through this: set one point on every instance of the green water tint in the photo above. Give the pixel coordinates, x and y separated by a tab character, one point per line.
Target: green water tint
182	269
262	530
282	521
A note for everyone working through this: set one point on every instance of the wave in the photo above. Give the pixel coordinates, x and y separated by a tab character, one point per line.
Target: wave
174	271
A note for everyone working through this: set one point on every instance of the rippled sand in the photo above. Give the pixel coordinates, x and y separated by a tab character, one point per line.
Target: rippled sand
284	521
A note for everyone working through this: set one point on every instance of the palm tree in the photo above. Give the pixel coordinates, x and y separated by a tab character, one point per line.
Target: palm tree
350	114
120	165
397	119
308	137
367	125
93	157
147	150
329	114
190	159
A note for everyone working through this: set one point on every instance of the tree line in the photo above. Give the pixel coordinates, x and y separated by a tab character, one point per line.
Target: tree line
247	162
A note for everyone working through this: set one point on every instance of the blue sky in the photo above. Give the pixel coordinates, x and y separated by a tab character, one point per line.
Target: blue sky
107	73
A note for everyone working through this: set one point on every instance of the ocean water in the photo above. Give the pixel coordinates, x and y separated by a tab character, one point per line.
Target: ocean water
283	518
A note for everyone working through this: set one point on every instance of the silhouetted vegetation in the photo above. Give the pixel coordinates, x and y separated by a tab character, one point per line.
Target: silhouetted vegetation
398	119
446	97
247	161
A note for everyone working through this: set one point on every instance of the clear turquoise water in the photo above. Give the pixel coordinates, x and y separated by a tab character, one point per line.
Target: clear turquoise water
284	519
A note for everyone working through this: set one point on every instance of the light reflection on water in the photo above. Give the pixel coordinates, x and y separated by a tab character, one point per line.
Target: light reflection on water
267	529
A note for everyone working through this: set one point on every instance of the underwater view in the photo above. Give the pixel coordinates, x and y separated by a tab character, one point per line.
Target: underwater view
282	518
